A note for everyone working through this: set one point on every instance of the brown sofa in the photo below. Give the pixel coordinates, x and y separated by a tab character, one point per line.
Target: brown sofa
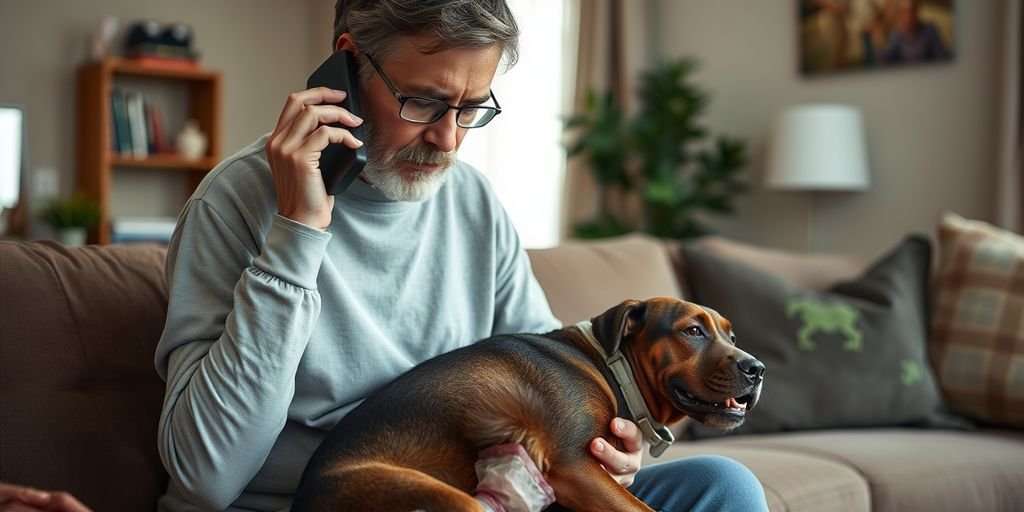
79	399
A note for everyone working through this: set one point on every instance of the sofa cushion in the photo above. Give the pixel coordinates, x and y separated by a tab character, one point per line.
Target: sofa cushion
978	338
582	279
79	396
792	481
913	469
853	356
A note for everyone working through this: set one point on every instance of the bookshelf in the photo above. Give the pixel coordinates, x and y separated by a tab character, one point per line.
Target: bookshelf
97	159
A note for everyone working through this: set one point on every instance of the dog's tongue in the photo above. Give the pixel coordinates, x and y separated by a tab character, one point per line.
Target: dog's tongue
731	403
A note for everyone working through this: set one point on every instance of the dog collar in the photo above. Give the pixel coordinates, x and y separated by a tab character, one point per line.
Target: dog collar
656	434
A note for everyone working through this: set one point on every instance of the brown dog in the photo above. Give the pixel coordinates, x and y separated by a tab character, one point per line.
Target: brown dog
413	444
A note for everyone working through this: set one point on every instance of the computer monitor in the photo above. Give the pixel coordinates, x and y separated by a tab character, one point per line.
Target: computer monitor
12	165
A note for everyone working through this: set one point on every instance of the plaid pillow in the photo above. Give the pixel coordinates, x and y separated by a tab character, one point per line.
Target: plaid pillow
977	345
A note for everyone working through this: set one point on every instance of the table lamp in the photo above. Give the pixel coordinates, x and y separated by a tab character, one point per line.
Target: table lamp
817	147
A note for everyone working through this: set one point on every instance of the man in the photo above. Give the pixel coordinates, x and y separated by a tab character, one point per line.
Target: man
288	306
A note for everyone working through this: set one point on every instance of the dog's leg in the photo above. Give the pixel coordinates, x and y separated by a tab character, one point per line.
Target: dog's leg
586	486
381	487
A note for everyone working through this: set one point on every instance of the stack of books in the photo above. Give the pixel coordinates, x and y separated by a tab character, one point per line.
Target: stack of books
142	229
138	127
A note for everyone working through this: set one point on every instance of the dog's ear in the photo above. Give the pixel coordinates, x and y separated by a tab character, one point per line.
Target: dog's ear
612	326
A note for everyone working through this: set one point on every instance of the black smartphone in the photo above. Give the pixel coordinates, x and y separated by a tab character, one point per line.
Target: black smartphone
339	164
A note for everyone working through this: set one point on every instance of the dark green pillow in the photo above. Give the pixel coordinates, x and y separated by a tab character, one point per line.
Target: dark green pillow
854	356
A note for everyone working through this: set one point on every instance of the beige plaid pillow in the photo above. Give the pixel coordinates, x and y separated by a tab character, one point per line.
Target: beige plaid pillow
978	320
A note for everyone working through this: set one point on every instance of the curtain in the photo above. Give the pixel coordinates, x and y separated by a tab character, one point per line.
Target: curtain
1011	139
614	45
521	152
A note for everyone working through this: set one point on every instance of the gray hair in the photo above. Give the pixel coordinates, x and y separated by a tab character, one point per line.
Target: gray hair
376	25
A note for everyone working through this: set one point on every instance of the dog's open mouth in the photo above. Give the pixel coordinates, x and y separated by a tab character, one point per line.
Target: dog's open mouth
688	402
727	413
734	403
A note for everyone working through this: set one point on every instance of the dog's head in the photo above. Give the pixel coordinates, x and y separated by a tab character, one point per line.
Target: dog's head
685	359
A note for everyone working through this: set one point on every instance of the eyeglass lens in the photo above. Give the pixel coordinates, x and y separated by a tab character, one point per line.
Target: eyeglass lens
424	110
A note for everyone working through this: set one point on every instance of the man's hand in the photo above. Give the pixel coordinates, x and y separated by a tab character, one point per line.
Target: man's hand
293	151
622	466
17	498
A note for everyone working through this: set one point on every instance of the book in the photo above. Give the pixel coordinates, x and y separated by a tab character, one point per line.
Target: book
160	144
137	124
126	229
119	109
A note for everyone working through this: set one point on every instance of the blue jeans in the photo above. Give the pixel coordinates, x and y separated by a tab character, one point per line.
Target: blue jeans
704	483
700	483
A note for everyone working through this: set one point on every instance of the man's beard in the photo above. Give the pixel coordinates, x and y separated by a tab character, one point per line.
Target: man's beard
382	170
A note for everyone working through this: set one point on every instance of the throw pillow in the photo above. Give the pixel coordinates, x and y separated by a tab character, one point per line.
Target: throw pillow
978	326
853	356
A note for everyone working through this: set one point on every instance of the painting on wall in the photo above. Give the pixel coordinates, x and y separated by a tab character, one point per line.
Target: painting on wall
842	35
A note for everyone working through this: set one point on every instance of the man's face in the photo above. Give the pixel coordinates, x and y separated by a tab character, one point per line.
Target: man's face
409	161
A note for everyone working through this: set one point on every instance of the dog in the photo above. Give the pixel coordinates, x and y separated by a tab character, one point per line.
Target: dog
413	444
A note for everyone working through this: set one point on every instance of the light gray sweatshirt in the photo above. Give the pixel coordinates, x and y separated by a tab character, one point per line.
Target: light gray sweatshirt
276	330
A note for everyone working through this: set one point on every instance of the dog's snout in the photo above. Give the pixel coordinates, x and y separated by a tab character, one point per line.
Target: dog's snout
752	369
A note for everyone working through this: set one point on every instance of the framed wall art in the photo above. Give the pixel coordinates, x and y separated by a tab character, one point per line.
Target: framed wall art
843	35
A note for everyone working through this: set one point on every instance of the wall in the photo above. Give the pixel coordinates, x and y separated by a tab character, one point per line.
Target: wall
265	49
931	130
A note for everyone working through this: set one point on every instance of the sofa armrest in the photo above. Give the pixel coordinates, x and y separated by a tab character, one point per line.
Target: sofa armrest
79	396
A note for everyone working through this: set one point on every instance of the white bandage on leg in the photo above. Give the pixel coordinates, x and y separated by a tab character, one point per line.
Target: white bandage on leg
509	481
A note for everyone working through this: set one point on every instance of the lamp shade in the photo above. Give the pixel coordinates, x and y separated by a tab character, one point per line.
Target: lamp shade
818	147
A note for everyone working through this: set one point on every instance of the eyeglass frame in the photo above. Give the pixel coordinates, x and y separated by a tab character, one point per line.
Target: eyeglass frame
402	99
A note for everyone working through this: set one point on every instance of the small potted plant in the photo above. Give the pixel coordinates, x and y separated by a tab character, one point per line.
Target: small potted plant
71	218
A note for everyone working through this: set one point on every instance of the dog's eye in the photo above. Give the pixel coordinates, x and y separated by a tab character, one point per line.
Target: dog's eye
694	332
732	337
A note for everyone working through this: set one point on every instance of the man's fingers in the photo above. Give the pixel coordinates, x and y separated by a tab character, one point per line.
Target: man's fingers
65	502
313	115
632	438
15	498
621	465
33	496
18	507
607	455
324	135
9	492
298	100
311	119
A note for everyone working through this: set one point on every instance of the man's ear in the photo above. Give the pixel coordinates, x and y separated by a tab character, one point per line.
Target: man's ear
347	43
619	322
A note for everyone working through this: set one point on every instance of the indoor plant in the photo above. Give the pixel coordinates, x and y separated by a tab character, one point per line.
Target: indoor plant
661	155
71	217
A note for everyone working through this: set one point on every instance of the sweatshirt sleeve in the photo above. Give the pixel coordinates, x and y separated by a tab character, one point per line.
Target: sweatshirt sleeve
239	318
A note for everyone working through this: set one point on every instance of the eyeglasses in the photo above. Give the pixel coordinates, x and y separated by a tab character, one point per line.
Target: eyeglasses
416	109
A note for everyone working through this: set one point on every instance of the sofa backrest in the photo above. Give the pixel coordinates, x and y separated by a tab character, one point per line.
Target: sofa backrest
79	396
808	271
584	278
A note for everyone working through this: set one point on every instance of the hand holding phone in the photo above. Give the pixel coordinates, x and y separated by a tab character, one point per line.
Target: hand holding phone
339	164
